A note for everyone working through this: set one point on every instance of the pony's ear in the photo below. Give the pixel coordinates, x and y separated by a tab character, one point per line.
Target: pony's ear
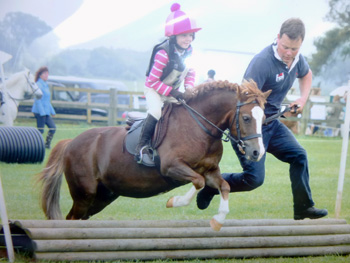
267	93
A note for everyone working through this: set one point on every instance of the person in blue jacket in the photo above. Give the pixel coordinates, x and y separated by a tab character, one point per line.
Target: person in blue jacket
275	68
42	108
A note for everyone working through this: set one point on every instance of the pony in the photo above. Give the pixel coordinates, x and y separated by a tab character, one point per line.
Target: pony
20	86
98	169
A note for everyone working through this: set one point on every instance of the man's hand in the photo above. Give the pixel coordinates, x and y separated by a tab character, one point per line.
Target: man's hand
177	94
296	107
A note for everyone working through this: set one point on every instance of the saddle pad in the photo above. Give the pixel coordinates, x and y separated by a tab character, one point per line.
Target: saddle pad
132	137
131	140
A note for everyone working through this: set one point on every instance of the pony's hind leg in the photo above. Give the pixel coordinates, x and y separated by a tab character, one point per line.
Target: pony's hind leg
83	197
91	204
102	199
80	208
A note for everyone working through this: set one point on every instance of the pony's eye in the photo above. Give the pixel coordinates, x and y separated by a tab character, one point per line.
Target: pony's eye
246	118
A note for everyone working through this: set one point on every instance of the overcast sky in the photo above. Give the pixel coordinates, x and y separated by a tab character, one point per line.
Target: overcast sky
228	25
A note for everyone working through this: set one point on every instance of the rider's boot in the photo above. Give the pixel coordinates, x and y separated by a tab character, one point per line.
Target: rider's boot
145	136
48	140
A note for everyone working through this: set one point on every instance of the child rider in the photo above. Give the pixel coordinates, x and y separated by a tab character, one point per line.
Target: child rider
167	71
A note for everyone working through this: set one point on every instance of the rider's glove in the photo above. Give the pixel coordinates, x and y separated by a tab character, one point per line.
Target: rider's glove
177	94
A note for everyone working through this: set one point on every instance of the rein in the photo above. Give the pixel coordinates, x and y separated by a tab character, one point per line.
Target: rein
192	111
240	140
280	113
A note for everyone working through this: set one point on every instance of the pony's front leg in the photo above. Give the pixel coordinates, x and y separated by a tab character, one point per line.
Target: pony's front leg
184	200
218	220
181	172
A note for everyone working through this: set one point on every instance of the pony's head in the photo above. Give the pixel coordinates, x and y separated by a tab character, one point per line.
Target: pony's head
249	120
32	88
245	112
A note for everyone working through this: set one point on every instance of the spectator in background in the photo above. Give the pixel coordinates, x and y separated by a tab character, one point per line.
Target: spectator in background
211	74
42	108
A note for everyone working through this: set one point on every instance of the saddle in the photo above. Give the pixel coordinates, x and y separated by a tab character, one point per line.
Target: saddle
135	123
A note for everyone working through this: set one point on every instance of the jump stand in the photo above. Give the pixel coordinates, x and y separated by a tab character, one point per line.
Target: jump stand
62	240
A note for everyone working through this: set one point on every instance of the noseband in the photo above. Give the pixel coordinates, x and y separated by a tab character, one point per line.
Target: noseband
239	140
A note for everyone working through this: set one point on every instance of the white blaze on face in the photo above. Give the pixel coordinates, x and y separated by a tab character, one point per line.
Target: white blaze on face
258	115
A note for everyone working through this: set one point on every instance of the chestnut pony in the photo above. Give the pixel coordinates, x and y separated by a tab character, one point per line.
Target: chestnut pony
98	169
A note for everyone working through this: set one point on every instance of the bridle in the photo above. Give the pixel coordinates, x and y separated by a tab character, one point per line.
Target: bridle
32	88
240	140
228	136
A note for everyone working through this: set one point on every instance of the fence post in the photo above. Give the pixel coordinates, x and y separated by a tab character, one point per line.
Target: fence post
112	113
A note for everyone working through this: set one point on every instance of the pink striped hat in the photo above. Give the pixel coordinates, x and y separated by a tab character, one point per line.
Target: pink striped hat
179	23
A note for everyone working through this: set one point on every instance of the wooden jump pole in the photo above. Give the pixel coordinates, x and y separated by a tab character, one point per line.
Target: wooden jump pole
196	254
167	223
71	245
110	233
62	240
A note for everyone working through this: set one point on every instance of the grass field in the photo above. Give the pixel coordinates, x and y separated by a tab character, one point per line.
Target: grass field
272	200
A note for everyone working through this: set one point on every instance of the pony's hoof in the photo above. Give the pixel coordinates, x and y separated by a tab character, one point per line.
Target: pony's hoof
170	203
215	225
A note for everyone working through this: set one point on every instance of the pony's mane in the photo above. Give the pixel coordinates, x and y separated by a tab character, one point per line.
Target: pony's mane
207	87
251	91
247	92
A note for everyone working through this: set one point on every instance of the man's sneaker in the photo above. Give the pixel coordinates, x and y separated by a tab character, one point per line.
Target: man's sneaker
204	198
311	212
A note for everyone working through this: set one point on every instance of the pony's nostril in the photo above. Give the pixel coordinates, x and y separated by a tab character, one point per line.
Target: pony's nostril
256	153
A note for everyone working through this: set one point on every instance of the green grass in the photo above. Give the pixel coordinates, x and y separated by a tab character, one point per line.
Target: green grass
272	200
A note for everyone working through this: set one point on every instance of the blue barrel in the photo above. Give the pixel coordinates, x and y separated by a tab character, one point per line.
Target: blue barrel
21	145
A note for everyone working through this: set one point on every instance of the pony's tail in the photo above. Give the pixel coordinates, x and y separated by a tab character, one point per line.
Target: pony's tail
51	179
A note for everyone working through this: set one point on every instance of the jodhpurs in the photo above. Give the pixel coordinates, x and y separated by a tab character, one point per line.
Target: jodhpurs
155	102
281	143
